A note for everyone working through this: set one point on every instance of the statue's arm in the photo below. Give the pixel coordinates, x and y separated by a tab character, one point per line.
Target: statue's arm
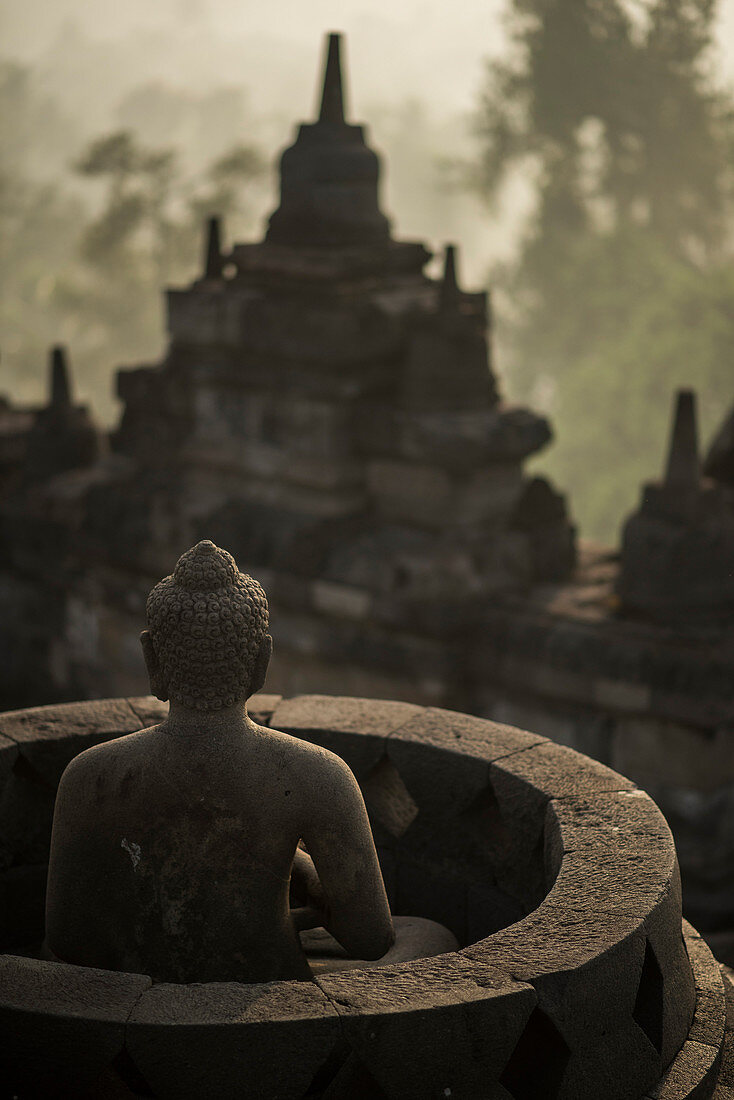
66	919
339	839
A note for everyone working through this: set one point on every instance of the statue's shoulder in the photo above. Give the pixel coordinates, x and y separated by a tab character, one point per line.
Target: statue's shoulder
312	760
104	758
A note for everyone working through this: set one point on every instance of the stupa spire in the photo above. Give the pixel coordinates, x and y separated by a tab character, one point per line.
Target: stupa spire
329	177
332	96
60	396
450	292
213	253
683	469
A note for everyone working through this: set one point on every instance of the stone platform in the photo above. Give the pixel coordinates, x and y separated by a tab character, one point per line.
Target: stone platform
575	979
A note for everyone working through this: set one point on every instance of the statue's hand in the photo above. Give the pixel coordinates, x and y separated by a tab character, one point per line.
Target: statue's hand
307	916
308	903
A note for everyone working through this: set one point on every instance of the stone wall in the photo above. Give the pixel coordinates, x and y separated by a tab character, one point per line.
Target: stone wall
655	705
558	877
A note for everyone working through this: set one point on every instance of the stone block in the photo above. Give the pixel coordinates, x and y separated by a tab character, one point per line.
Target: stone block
8	755
22	907
619	860
617	826
726	1073
61	1026
522	784
465	734
594	1070
442	781
430	496
424	890
691	1076
620	695
488	909
520	675
584	965
228	1040
437	1027
149	710
26	816
709	1020
50	737
584	731
260	707
585	946
343	600
355	729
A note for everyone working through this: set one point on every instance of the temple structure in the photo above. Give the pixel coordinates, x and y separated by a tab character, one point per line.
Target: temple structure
330	414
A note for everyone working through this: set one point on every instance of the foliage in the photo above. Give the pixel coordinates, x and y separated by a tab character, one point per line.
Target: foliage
620	291
85	256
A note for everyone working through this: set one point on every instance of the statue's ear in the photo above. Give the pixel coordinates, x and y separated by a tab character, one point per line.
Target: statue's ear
157	686
262	661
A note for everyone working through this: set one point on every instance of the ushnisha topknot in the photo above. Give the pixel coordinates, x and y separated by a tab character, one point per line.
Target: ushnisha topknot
207	622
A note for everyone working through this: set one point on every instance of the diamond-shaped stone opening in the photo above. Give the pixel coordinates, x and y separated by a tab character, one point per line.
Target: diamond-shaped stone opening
126	1070
648	1010
351	1079
24	770
484	819
538	1063
387	798
328	1071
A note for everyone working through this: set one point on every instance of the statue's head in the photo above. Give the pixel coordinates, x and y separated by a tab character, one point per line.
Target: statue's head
207	644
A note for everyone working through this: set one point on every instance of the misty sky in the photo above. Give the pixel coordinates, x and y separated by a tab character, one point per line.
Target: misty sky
429	50
401	56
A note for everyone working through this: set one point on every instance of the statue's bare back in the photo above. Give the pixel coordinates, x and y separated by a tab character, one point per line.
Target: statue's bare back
183	843
196	850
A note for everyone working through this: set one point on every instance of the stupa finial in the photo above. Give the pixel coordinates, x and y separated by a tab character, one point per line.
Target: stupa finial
332	96
60	396
450	291
213	253
683	468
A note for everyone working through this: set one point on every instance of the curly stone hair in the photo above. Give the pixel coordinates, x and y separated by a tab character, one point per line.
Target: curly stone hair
207	622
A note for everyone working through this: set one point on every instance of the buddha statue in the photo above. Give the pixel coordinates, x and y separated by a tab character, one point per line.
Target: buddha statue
204	848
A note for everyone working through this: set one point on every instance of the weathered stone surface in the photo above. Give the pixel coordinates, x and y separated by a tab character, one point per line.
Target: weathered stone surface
692	1075
465	734
552	771
489	909
429	496
61	1026
325	719
218	1039
604	839
49	737
8	755
26	814
460	1024
522	784
443	758
22	902
709	1020
725	1083
599	839
430	891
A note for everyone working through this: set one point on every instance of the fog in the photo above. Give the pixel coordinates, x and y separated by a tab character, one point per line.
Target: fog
204	75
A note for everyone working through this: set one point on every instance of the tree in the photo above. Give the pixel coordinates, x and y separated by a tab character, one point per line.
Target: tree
147	235
614	109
